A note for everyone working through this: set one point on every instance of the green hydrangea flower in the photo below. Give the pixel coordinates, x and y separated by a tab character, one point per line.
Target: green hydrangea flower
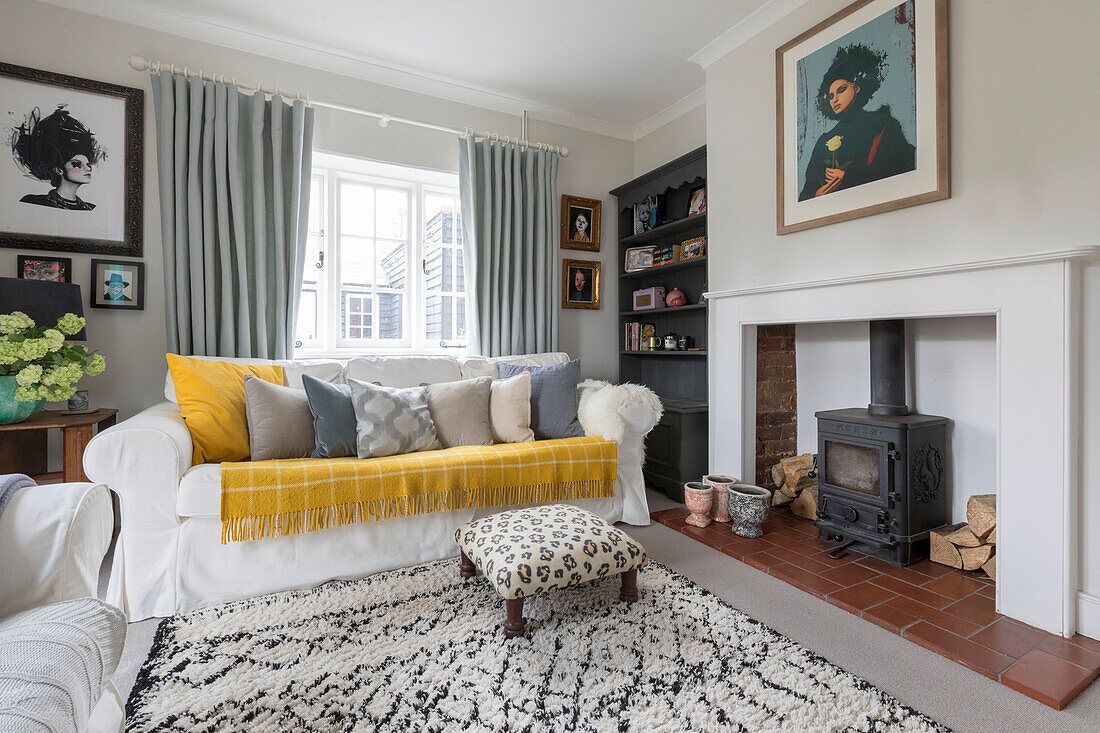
29	394
29	375
9	354
59	393
15	322
70	323
54	339
96	365
32	349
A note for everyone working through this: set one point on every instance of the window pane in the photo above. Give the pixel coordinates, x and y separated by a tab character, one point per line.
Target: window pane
307	314
392	265
316	204
434	205
356	209
433	318
460	272
356	261
458	223
310	270
460	318
393	214
355	315
391	315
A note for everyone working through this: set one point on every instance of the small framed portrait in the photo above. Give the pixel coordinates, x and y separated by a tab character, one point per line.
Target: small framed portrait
692	248
53	269
580	223
698	204
639	258
71	180
118	284
580	284
647	214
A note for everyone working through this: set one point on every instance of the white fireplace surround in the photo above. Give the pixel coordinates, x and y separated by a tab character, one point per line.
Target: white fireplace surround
1035	299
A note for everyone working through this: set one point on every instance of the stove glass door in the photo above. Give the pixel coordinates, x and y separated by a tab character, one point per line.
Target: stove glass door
854	467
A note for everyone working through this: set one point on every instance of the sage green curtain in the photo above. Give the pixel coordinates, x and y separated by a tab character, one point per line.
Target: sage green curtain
509	204
234	173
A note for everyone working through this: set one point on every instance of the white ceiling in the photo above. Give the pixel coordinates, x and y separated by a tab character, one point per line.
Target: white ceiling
604	65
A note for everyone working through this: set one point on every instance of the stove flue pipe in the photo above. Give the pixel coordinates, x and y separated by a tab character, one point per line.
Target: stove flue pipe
888	368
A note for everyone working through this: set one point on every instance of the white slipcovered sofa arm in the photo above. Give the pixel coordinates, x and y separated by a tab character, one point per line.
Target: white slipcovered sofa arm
53	539
142	460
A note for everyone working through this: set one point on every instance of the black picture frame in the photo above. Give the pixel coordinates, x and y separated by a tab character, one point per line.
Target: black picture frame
23	261
133	168
97	283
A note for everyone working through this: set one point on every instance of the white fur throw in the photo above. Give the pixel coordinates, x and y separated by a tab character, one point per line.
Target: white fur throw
602	405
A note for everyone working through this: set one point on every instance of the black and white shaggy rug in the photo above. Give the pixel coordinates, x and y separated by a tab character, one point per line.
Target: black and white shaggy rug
422	650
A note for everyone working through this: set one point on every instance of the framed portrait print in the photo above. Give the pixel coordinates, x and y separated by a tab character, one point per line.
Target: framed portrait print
862	114
580	284
118	284
53	269
692	248
580	223
72	178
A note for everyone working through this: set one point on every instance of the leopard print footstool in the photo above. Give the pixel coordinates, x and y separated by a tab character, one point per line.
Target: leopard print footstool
527	551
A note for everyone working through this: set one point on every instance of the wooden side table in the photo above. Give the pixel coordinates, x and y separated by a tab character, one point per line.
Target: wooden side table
23	445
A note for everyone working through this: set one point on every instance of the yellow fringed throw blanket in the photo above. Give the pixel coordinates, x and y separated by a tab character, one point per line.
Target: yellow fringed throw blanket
278	498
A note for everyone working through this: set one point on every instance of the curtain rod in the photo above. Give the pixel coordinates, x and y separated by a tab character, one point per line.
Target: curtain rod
140	63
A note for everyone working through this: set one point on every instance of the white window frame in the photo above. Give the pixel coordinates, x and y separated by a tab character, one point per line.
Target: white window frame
417	182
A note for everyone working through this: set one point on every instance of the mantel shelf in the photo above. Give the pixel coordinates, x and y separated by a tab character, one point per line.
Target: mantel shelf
672	227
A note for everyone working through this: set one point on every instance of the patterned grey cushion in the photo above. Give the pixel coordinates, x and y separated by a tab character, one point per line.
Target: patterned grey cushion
527	551
389	421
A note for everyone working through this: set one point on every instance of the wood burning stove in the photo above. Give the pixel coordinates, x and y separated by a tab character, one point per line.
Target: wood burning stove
881	469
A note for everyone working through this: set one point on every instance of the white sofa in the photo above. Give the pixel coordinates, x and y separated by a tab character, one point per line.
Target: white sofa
169	558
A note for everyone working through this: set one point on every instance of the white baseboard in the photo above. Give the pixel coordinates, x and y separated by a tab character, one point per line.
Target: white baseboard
1088	615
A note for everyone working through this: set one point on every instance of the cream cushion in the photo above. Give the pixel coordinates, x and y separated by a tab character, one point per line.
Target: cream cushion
527	551
460	411
510	409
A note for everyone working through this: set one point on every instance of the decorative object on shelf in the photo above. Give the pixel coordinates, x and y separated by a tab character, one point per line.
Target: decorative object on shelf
580	284
118	284
648	299
639	258
693	248
721	486
675	298
38	364
666	255
648	336
51	269
698	498
73	181
685	343
873	160
647	213
654	343
671	342
79	403
698	203
749	506
580	223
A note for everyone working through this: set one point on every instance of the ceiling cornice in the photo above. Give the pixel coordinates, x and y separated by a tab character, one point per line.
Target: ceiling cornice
220	33
755	22
677	109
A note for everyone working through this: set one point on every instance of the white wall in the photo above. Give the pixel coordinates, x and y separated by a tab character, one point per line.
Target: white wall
1023	177
95	48
952	372
668	142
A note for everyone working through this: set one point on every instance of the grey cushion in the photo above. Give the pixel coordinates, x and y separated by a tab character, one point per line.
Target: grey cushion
390	420
333	418
460	411
280	424
553	398
55	662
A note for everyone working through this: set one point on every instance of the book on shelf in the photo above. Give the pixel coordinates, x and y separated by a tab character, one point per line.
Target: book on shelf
636	335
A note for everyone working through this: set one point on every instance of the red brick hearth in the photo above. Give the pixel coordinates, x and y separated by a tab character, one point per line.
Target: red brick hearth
946	611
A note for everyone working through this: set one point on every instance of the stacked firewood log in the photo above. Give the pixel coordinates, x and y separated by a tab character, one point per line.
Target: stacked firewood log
796	485
971	545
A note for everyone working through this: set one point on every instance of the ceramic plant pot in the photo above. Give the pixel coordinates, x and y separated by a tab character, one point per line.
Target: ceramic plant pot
699	498
749	506
720	510
11	410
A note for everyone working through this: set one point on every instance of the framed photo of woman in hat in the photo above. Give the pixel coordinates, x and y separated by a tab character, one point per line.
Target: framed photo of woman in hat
862	114
118	284
72	176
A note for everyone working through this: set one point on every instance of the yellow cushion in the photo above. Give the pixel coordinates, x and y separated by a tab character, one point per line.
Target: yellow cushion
211	399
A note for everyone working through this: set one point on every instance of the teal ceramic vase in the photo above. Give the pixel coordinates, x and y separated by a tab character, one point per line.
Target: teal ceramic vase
11	410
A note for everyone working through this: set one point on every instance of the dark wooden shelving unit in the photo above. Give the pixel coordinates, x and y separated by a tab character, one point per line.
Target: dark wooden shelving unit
676	450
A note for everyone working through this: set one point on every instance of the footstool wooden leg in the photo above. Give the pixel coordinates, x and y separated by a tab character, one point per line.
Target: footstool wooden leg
515	625
629	591
467	569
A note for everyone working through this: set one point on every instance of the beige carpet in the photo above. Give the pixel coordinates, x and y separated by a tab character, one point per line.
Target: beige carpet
947	692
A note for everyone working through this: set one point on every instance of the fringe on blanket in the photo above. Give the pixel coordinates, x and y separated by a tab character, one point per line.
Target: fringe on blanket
242	529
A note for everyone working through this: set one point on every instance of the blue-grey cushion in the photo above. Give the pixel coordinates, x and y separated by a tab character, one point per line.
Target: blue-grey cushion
553	398
391	420
333	418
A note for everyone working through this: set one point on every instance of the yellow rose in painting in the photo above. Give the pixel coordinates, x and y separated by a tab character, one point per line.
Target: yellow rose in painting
833	143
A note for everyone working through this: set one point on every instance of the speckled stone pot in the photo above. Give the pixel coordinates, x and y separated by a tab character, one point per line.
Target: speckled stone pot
720	511
749	506
698	498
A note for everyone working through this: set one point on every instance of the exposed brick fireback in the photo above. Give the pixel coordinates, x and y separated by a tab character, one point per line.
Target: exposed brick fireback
776	399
